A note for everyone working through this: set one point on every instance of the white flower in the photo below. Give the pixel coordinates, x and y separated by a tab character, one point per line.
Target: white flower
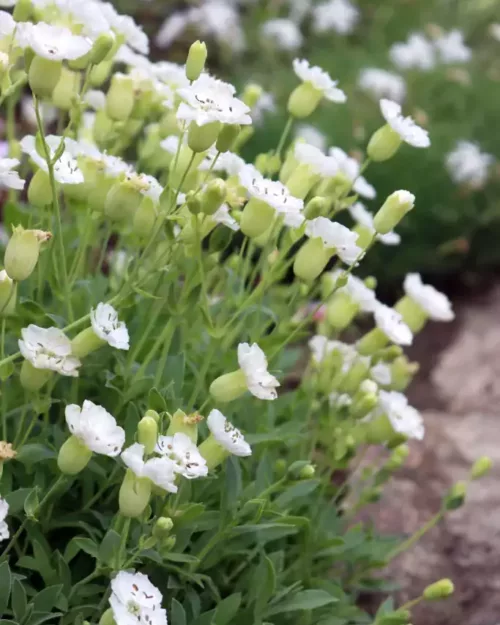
351	168
171	28
435	304
56	43
317	161
310	134
96	428
271	192
364	218
404	418
338	15
125	26
265	104
48	113
4	511
452	49
66	170
184	453
284	33
417	52
221	20
209	100
381	373
335	236
406	128
227	435
87	14
339	400
321	347
253	363
222	216
136	601
382	84
8	177
48	348
466	164
392	325
357	290
105	323
161	471
95	99
228	162
319	79
7	24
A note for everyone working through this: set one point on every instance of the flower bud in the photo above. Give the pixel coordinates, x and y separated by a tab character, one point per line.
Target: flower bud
169	544
280	467
455	497
187	424
398	457
303	100
23	249
351	381
81	62
67	89
193	202
317	207
341	310
252	94
73	456
153	414
413	315
40	189
33	379
402	373
102	47
22	11
213	196
364	405
100	73
311	259
398	617
8	292
134	496
372	342
384	143
147	434
307	472
393	210
301	181
200	138
256	218
43	76
229	386
195	63
122	201
371	282
213	453
439	590
227	137
120	97
163	527
481	467
145	218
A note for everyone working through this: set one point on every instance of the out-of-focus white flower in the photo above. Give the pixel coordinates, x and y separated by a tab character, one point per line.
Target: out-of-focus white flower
7	24
417	53
283	33
436	304
351	168
466	164
357	291
161	471
56	43
495	31
253	363
382	84
381	373
48	348
184	453
228	162
227	435
310	134
364	218
126	28
172	28
9	178
223	216
272	192
340	16
95	99
135	601
404	418
406	128
265	104
452	49
106	325
66	170
299	9
95	428
48	112
392	325
319	79
335	236
315	159
209	100
4	528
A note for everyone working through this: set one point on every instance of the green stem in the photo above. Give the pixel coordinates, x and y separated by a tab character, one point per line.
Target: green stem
108	483
82	246
404	546
284	136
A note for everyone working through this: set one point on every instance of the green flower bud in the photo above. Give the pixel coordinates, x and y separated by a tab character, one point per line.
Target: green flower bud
147	434
304	100
351	381
33	379
213	196
213	453
196	59
227	137
364	405
301	181
456	496
413	315
145	218
103	127
307	472
280	467
120	98
163	527
384	143
252	94
67	89
311	259
73	456
23	250
372	342
393	210
200	138
122	201
341	310
22	11
439	590
86	342
256	218
107	618
43	76
100	73
153	414
169	544
134	496
402	373
317	207
8	293
40	189
398	457
81	62
481	467
229	386
102	47
371	282
187	424
398	617
193	202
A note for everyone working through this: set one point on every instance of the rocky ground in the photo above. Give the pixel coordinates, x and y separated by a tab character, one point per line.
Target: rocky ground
459	394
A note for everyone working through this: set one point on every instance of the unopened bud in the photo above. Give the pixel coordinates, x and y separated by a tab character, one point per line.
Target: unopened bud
134	496
7	295
481	467
147	434
153	414
23	250
311	259
100	73
439	590
163	527
393	210
102	47
196	59
384	143
371	282
227	137
280	467
398	457
193	202
252	94
43	76
229	386
456	496
73	456
307	472
67	89
120	98
213	196
200	138
316	207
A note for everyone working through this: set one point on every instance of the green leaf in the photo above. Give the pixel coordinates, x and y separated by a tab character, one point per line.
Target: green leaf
265	585
84	544
266	531
188	515
18	600
46	599
232	489
5	586
177	615
109	547
180	557
227	610
34	453
17	498
32	503
6	371
156	401
302	489
38	619
304	600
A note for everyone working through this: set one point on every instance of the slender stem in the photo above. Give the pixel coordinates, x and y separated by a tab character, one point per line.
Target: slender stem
404	546
107	484
82	246
122	552
20	426
284	136
104	248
